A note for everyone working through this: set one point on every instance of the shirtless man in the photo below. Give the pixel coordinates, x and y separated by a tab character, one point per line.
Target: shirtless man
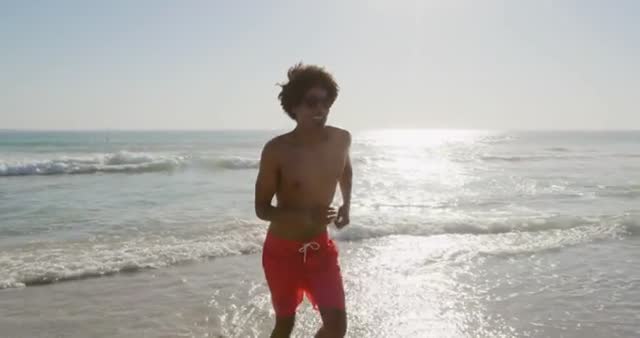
302	169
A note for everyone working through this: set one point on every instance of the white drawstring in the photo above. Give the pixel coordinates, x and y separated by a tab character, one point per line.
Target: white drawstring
303	249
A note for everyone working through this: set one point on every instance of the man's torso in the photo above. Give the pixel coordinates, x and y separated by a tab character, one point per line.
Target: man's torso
308	177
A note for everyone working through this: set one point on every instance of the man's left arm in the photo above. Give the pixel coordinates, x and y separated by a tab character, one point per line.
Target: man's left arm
345	187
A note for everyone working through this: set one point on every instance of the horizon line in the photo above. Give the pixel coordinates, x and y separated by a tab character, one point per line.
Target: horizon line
281	129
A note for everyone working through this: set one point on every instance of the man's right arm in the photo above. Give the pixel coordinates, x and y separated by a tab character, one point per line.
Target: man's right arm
266	185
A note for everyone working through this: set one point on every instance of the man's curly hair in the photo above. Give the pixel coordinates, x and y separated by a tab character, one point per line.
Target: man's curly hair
301	79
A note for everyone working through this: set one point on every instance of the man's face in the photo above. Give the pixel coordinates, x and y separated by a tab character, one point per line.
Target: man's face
314	108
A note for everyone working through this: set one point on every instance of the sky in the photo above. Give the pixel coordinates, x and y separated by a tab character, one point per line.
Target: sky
456	64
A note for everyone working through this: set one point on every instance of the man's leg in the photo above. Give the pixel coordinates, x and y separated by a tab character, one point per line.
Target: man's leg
327	291
334	323
284	326
283	272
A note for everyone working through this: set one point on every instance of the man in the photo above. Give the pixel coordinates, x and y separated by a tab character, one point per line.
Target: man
302	169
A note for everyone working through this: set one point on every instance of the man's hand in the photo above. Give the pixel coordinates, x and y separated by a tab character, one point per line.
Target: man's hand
343	217
323	215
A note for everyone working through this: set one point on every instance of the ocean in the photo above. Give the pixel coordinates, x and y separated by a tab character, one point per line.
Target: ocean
454	233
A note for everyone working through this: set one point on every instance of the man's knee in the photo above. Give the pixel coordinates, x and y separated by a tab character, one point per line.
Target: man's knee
339	329
335	330
284	326
334	323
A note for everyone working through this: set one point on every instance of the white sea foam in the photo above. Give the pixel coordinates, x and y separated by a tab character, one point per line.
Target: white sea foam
123	161
617	225
79	260
69	261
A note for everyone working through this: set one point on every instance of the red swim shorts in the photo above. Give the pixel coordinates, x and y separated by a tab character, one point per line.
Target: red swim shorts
294	268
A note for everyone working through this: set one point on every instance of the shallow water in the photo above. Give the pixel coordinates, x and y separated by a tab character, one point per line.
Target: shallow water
454	233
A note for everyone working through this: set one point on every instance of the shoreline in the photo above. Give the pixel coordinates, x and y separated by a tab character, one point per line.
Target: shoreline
396	286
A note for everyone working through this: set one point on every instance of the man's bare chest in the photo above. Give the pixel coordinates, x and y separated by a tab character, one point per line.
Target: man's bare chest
320	166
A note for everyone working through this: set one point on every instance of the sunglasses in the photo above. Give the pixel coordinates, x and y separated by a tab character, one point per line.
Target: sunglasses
313	101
